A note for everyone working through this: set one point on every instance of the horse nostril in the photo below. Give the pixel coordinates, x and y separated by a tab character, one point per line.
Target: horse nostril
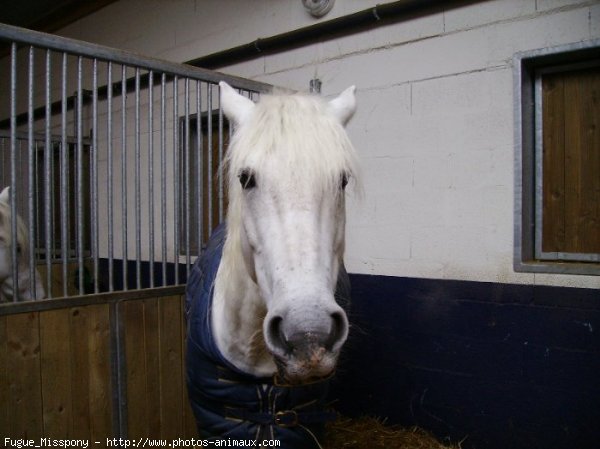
338	332
276	335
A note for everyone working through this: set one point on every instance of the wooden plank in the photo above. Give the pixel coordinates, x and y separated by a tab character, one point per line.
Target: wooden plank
553	198
152	354
80	374
4	391
135	359
100	394
172	391
189	421
23	365
55	347
90	372
582	135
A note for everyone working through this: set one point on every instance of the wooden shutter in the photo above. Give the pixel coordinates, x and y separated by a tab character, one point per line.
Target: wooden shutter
571	162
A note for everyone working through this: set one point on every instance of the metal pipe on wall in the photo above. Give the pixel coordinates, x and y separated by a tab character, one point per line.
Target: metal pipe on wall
378	15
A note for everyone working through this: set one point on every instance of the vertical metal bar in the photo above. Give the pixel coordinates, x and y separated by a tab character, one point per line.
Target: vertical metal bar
186	176
209	149
109	146
151	173
221	180
124	172
79	176
176	150
94	177
48	156
37	187
30	178
13	168
64	177
138	213
199	171
163	179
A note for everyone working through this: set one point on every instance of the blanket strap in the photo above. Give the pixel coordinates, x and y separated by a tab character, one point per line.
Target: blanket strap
283	418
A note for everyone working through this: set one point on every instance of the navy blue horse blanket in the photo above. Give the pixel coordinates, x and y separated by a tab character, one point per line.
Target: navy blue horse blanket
228	403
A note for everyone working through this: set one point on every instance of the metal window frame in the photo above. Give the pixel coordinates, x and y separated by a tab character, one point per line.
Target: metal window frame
527	70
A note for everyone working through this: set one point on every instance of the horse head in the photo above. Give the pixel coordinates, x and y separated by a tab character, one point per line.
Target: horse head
288	166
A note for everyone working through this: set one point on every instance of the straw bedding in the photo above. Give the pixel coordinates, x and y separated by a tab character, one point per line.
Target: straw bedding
373	433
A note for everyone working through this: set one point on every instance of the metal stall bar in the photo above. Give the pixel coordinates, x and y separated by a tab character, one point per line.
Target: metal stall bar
209	149
221	180
78	176
151	177
13	166
176	133
124	175
47	178
200	168
64	177
94	177
30	175
186	176
109	181
64	180
137	181
163	179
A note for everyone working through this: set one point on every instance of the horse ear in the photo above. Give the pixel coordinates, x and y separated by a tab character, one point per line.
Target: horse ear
5	195
236	107
344	105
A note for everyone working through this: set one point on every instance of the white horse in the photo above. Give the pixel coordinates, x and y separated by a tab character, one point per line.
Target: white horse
272	310
25	289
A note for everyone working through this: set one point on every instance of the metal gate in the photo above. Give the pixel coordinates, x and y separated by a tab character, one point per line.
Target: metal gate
113	163
112	159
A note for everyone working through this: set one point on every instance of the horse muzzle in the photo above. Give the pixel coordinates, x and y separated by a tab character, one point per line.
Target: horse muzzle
305	350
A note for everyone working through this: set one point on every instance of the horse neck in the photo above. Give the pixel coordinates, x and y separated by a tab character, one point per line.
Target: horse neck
238	312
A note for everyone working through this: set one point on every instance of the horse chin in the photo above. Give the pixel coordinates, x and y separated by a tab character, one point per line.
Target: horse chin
298	369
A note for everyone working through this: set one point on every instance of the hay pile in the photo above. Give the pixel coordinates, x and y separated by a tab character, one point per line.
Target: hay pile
372	433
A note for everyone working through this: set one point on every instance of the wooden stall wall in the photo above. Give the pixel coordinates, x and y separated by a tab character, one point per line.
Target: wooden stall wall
157	405
57	372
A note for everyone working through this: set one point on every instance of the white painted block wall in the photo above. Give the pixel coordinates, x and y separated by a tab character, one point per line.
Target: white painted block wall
434	128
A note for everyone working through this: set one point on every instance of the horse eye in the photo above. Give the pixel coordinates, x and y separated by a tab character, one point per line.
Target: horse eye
344	180
247	180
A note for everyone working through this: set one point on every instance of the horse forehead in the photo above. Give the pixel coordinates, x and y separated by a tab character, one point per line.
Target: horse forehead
297	191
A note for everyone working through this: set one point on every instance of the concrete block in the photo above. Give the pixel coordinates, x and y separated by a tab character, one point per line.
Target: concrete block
384	174
595	21
295	58
297	79
380	242
460	94
545	5
401	64
384	36
547	30
482	13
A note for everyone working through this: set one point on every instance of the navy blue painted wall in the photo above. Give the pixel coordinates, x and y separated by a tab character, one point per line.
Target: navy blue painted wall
504	366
